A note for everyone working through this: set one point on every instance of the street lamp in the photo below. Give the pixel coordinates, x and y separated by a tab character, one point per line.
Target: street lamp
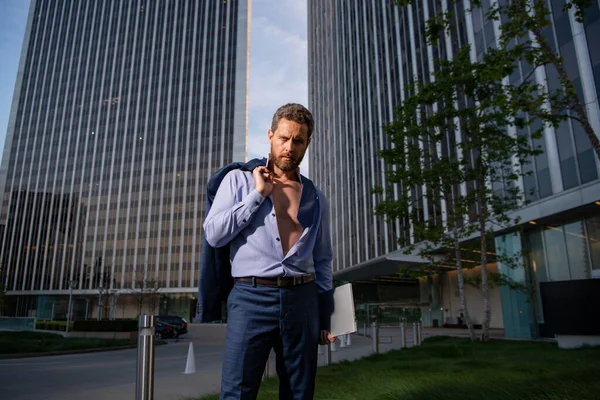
71	285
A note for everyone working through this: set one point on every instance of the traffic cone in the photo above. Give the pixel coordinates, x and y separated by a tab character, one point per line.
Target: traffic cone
190	365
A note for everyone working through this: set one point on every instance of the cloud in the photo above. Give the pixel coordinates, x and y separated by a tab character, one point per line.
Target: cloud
291	14
278	66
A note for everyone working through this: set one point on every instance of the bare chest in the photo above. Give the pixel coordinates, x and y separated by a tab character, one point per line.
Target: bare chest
286	200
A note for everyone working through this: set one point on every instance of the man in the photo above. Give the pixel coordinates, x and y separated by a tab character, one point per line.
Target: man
277	226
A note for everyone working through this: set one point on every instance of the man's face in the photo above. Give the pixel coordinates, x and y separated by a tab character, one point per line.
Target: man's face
288	144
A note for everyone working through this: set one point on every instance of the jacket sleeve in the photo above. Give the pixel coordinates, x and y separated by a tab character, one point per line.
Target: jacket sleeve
323	257
231	211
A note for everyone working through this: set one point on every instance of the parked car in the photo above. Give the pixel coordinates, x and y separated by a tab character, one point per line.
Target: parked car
162	330
179	323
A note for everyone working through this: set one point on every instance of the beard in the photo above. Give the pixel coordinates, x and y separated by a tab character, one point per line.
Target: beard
287	165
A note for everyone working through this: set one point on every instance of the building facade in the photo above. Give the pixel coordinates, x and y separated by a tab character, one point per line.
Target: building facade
121	111
363	57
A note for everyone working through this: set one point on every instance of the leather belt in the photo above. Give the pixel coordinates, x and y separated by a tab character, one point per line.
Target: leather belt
282	281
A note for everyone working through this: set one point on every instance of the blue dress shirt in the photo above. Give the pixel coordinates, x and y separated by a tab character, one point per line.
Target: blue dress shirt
244	219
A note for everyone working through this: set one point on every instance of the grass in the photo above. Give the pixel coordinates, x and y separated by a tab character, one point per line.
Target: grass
38	342
453	368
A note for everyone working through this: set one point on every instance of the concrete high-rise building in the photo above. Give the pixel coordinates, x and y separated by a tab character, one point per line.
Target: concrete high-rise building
363	57
121	111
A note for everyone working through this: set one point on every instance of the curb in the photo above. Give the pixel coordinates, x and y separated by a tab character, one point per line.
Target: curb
67	352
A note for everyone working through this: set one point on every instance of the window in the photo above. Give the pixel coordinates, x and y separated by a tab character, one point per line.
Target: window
593	233
577	250
558	267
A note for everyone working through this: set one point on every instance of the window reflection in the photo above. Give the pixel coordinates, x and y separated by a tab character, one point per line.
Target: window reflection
577	250
566	252
558	267
593	232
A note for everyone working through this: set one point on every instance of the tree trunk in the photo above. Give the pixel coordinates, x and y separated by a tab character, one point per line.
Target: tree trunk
140	304
487	312
575	100
461	285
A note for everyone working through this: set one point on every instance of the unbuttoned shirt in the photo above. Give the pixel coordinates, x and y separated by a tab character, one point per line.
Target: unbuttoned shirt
247	221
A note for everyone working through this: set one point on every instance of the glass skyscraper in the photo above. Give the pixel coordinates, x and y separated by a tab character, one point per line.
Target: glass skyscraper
121	111
363	57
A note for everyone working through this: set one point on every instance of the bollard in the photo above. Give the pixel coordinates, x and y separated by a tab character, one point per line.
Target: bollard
400	323
402	336
415	334
327	355
332	346
375	337
342	341
420	341
348	340
144	388
365	329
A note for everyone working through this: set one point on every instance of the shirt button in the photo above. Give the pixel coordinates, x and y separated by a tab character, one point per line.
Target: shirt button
273	214
244	221
277	239
257	203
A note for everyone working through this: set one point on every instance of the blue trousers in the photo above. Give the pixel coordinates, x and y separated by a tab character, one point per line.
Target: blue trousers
261	318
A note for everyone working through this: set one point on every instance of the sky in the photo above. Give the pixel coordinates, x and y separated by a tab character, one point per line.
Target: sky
278	64
13	18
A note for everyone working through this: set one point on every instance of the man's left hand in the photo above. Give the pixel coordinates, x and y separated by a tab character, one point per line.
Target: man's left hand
326	338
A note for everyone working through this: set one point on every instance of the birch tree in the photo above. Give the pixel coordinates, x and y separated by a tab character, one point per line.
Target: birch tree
491	148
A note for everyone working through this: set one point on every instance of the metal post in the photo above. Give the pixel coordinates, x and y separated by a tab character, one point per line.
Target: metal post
368	321
365	329
402	336
415	334
342	340
375	337
99	303
69	308
87	305
327	355
420	341
52	314
144	389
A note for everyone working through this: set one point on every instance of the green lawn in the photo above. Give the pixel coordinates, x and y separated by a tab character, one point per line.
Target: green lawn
38	342
452	368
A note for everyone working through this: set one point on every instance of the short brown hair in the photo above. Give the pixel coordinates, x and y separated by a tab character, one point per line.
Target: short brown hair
294	112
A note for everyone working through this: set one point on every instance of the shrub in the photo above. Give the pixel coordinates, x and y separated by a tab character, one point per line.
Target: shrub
53	325
119	325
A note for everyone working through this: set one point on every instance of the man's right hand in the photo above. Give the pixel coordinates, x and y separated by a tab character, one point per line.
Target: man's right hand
263	180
